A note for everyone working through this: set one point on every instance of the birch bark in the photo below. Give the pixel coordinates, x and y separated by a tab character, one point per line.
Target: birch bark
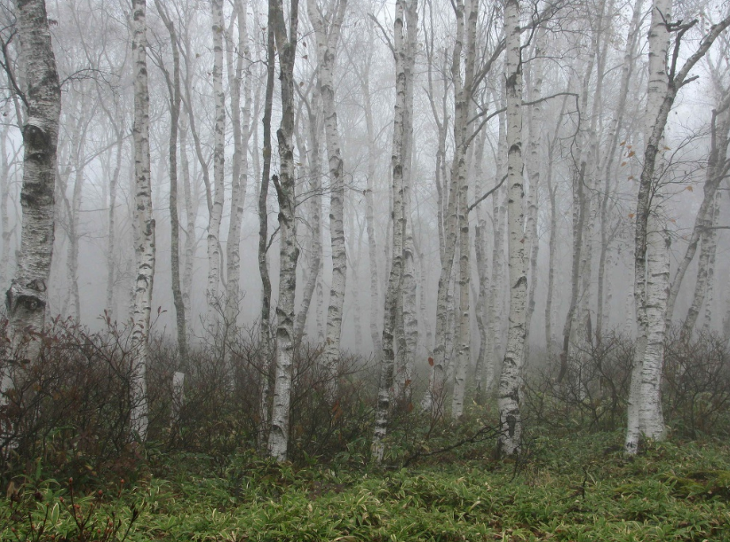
370	205
5	230
480	248
315	211
216	210
173	85
111	226
462	93
144	226
327	41
617	124
191	215
387	357
645	415
289	253
241	121
717	168
407	336
510	382
705	269
464	322
263	264
27	296
534	125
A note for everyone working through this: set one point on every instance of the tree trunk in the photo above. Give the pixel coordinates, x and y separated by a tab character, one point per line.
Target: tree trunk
327	37
173	86
617	123
395	278
26	298
717	167
705	269
315	213
111	255
289	253
462	95
216	211
144	226
265	317
510	382
534	122
553	244
480	251
645	415
370	205
239	173
407	331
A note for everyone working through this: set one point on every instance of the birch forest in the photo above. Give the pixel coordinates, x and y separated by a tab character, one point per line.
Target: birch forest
391	228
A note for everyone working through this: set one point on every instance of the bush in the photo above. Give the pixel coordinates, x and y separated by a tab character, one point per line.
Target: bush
70	407
593	394
697	385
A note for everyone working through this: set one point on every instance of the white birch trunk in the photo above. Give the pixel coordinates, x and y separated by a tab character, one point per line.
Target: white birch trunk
314	204
173	86
387	357
496	295
288	251
5	230
656	109
710	289
27	296
191	215
662	91
705	271
651	420
464	321
462	95
510	383
480	248
111	228
72	258
216	210
407	334
144	227
327	37
267	351
369	209
241	121
534	123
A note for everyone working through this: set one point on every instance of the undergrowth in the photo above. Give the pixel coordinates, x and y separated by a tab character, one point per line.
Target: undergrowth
572	488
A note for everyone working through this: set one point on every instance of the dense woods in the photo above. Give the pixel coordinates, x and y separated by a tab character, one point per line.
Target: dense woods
378	232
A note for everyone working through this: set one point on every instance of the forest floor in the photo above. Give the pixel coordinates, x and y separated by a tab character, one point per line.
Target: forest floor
579	488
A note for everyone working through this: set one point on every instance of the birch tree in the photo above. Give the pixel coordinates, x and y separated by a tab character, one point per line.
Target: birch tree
26	298
327	37
715	171
651	274
462	94
314	205
400	127
286	44
263	264
239	79
218	189
464	322
510	382
173	87
144	225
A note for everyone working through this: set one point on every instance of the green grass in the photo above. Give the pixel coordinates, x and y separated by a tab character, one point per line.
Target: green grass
577	489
